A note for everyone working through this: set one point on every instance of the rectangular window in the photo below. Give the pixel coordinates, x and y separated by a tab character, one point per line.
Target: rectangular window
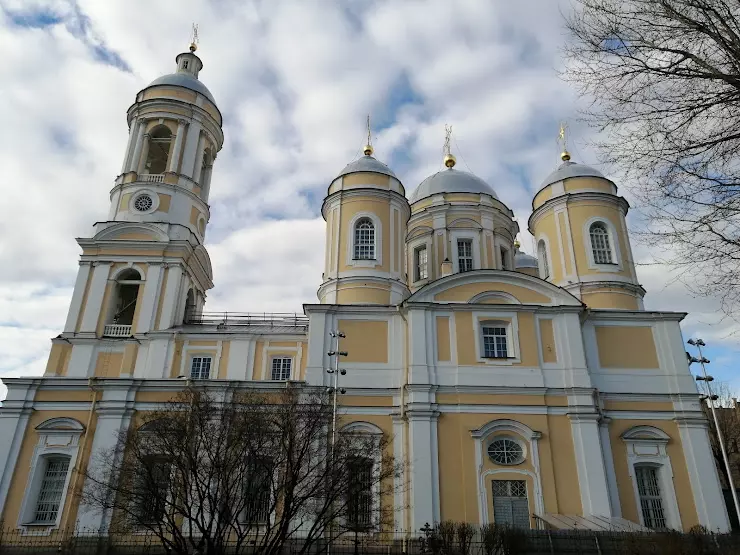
504	259
52	487
465	255
281	367
257	491
152	489
360	494
648	487
420	264
494	342
510	504
200	368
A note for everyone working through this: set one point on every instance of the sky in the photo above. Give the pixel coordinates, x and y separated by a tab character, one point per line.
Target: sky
294	80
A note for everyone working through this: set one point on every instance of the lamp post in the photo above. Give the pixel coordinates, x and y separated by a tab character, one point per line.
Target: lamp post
698	343
336	335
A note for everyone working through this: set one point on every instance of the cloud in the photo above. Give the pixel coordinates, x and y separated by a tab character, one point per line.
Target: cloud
294	80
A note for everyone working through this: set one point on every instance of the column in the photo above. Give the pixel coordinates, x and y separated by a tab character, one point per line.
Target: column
198	168
110	423
147	311
703	476
611	474
423	467
590	464
191	146
133	133
400	511
175	158
169	304
75	306
141	166
133	162
95	295
318	345
13	424
418	363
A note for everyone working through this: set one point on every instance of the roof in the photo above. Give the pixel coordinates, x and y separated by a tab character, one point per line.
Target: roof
367	164
524	260
183	79
570	169
451	180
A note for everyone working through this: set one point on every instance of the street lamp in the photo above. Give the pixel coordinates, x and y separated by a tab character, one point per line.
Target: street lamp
335	372
710	397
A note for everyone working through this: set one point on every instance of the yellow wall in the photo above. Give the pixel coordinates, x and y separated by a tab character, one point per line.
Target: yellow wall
365	341
610	299
626	347
579	211
350	207
108	364
58	359
465	292
547	341
546	227
365	178
443	339
363	295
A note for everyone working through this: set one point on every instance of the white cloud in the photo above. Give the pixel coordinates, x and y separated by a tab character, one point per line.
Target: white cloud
294	80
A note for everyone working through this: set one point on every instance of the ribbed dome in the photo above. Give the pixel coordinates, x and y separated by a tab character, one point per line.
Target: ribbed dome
524	260
570	169
451	181
186	80
366	164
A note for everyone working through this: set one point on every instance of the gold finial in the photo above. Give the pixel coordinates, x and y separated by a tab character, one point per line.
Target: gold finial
194	38
517	244
449	157
369	146
563	142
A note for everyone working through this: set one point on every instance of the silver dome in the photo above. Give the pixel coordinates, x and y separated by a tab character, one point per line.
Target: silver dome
366	164
524	260
571	169
186	80
451	181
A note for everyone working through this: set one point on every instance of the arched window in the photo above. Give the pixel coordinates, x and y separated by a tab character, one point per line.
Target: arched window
651	501
190	316
600	246
122	311
159	150
542	259
364	240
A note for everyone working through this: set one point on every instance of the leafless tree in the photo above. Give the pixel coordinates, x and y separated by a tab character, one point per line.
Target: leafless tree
229	470
728	416
664	80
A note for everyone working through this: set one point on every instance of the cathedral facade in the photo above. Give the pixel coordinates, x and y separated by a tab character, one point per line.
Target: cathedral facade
517	389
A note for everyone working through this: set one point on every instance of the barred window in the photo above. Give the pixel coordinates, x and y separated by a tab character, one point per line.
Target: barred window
152	489
281	367
505	451
200	368
420	264
510	504
542	259
600	243
465	255
364	240
52	487
648	487
257	491
360	494
495	342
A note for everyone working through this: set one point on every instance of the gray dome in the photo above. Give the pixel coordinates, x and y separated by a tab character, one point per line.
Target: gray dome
524	260
186	80
451	181
570	169
366	164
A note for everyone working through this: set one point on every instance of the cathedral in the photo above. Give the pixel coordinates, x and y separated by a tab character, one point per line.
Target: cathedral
530	391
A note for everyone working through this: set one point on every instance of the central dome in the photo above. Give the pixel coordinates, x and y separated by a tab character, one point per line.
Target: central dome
183	80
366	164
451	181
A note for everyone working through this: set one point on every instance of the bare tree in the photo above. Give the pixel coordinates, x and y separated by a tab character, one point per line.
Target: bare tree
664	80
225	470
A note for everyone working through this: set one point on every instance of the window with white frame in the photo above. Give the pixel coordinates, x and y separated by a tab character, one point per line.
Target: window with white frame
364	240
281	368
51	492
360	494
200	367
465	255
510	503
494	340
600	243
505	451
542	259
421	268
651	502
505	258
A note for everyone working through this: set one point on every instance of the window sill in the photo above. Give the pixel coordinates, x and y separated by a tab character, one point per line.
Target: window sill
498	358
364	260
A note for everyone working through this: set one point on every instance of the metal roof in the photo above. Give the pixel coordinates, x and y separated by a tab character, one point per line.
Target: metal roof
524	260
366	164
183	79
571	169
451	180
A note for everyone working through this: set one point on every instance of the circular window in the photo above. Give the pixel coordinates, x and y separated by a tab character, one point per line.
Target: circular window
505	451
143	203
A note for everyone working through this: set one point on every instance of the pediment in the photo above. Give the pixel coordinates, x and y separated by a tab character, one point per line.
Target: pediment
131	231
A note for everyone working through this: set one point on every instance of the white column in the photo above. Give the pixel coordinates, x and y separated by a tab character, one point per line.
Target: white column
81	360
148	308
79	291
169	304
611	474
175	158
141	165
133	162
705	484
13	424
400	481
590	464
132	135
191	146
318	346
238	367
95	298
197	169
418	363
423	468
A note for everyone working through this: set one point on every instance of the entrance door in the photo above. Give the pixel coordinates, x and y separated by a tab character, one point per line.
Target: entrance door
510	504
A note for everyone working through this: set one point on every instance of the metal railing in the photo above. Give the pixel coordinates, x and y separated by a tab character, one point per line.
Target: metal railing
116	330
238	319
152	177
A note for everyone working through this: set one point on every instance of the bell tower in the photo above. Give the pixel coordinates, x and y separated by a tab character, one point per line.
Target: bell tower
145	268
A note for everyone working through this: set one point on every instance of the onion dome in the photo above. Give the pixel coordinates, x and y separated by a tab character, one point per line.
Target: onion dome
367	164
569	169
451	180
188	67
524	260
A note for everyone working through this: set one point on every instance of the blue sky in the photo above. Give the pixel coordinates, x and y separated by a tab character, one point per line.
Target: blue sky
294	80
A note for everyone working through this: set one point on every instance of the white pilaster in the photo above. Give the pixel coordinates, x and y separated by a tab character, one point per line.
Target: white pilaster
13	424
418	348
177	148
318	346
191	145
79	291
611	474
81	360
133	133
95	298
423	468
238	359
169	304
198	167
705	485
133	162
400	481
141	165
590	464
148	309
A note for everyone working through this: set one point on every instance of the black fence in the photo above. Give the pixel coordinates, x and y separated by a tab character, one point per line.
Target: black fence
517	542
